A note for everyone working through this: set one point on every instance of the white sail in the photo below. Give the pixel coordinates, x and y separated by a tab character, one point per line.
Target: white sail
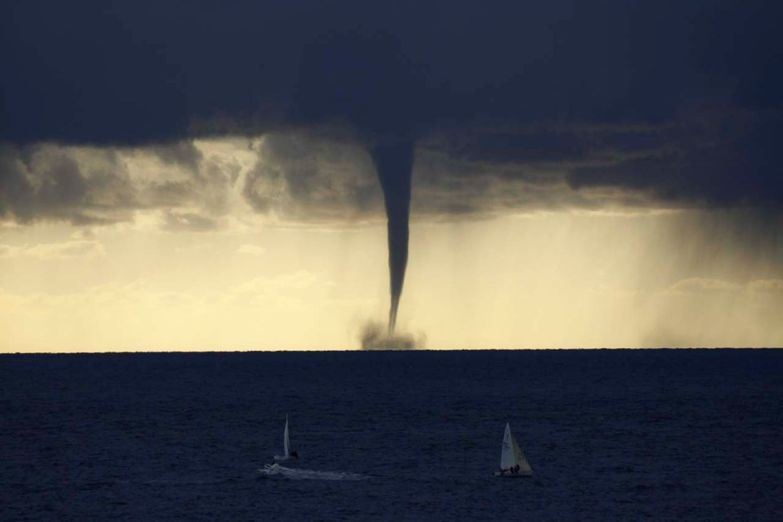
286	442
507	450
519	458
287	453
511	455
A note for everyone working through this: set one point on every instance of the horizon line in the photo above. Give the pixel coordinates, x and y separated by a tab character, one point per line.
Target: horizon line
359	350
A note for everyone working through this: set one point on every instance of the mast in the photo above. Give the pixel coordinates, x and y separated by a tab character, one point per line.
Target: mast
286	443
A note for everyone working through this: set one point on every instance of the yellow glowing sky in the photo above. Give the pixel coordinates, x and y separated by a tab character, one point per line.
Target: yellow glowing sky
515	279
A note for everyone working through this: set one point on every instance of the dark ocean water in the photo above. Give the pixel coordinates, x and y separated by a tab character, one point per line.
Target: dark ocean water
611	435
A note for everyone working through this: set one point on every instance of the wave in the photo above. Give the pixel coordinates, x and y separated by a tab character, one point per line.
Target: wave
276	470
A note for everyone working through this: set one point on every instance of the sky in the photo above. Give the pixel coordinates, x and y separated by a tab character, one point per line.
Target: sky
274	175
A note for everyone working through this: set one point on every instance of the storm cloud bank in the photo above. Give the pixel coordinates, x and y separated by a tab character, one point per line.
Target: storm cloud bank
651	103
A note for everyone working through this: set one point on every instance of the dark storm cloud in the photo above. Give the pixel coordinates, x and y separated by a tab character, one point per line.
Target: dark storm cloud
42	183
310	177
96	185
179	153
680	101
722	159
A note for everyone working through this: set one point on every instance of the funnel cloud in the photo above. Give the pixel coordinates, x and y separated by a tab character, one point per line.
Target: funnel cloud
394	161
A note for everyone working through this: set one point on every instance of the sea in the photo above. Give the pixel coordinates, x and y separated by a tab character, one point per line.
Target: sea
415	435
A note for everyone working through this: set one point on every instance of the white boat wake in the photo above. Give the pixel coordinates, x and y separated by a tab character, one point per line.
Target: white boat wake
276	470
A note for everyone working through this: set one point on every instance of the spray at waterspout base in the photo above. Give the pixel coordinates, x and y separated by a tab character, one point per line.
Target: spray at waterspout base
374	336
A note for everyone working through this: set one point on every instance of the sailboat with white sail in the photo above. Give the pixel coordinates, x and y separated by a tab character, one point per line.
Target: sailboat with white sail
512	460
288	453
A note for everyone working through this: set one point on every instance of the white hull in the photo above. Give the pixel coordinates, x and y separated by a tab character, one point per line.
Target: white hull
278	458
513	475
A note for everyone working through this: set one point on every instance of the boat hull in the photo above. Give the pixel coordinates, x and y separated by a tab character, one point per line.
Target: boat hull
513	475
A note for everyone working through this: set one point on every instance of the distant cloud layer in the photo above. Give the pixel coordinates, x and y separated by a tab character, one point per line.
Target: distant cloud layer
556	104
77	248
